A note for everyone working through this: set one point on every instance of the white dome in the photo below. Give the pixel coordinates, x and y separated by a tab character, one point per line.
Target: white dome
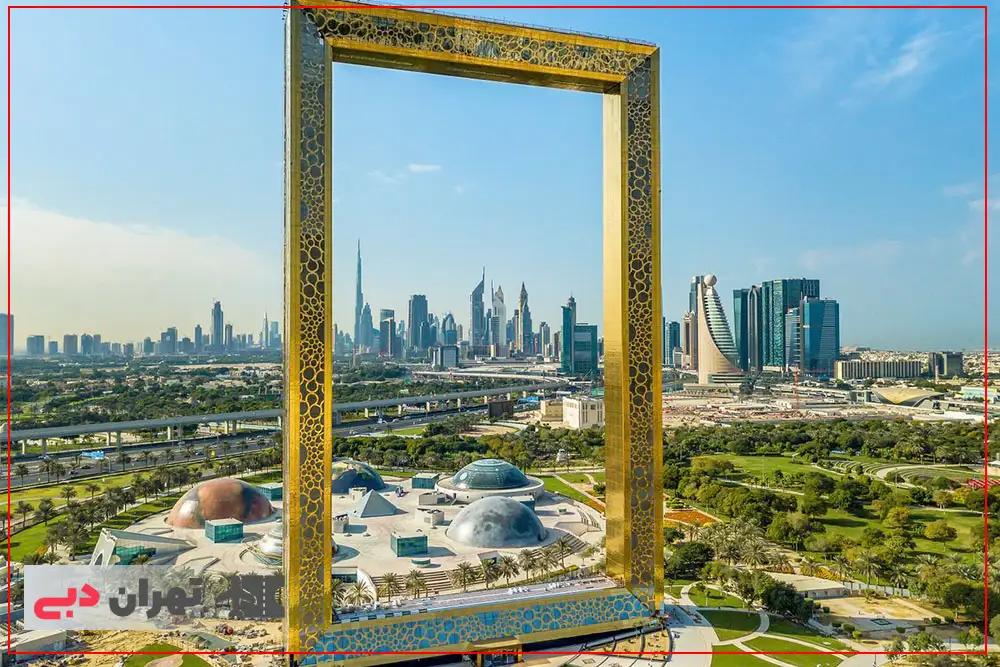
710	279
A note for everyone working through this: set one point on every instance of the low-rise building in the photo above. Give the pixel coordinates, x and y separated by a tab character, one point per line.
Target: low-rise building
583	412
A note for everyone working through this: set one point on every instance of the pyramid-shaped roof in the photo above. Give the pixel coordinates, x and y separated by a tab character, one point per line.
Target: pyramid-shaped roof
371	505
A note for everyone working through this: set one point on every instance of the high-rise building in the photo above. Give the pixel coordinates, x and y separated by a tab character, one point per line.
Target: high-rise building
86	345
793	339
388	341
199	343
777	298
70	343
36	346
477	318
365	331
689	343
227	341
544	340
820	336
147	346
498	323
859	369
53	348
416	323
98	345
168	341
459	333
556	345
717	353
523	338
586	349
128	350
217	343
274	338
449	331
671	341
6	335
116	349
566	356
359	303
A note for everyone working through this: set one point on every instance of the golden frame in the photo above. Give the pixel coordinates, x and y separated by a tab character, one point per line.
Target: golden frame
627	75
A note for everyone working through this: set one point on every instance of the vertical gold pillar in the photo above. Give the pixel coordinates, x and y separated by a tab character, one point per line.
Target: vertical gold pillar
308	349
633	383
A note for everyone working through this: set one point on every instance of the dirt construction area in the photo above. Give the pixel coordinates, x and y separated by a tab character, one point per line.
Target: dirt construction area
877	615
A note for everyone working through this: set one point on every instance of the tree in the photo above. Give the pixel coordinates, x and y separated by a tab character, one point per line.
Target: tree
528	562
389	585
942	498
995	627
45	509
489	571
687	560
24	508
812	505
972	638
21	471
357	594
940	531
898	520
463	575
92	488
415	583
507	566
68	492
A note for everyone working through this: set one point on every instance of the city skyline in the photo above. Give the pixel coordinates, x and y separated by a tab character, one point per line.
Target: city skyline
823	173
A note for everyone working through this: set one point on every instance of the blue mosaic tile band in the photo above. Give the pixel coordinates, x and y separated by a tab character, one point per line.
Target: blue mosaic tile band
426	632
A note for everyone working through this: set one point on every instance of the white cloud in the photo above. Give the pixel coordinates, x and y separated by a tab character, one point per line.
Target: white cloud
383	177
423	168
961	189
912	59
129	281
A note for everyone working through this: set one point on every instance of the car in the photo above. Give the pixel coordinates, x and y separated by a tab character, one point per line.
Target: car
352	432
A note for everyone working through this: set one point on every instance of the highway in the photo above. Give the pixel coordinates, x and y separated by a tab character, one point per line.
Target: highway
255	441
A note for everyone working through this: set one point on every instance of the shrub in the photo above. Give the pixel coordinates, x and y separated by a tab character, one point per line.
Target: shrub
836	624
935	620
900	629
857	635
949	620
826	610
848	627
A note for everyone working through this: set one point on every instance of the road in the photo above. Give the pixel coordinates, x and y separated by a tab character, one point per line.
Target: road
254	442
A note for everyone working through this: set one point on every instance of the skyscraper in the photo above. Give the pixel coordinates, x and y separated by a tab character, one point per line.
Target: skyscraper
820	336
449	332
567	338
217	327
777	298
717	353
227	341
671	341
523	339
416	322
6	334
477	317
36	346
498	323
365	327
199	342
70	345
274	338
359	302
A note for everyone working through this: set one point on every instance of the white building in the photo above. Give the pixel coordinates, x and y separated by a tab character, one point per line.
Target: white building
583	412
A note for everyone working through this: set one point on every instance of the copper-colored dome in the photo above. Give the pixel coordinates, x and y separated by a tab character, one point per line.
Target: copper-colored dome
224	498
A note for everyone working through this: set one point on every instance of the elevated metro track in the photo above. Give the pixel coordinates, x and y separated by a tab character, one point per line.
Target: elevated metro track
264	415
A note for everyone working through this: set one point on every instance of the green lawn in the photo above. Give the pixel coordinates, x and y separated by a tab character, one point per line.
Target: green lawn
263	478
29	541
395	473
554	485
848	525
732	624
772	645
780	626
142	660
739	660
714	598
411	430
676	585
56	490
757	465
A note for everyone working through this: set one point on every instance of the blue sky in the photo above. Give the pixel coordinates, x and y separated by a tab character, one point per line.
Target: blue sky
844	145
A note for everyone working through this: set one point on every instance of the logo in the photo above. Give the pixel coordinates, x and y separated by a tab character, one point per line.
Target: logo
141	597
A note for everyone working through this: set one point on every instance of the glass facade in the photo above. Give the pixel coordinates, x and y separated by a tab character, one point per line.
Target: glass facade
820	336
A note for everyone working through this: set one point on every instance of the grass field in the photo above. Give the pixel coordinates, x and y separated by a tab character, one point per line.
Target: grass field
838	521
56	491
757	465
779	626
395	473
772	645
714	598
554	485
675	587
410	430
739	660
732	624
142	660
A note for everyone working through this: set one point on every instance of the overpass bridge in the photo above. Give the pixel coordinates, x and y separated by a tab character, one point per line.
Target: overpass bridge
232	419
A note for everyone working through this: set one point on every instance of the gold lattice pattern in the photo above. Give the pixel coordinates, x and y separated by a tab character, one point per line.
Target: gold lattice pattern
367	27
427	632
311	558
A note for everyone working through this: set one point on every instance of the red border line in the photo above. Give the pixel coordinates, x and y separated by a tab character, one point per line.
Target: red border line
986	210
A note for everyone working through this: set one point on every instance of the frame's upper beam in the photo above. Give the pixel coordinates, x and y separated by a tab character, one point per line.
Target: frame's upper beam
381	36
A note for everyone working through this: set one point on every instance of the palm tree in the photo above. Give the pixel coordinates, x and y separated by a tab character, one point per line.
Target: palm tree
489	571
755	554
357	594
528	562
226	448
810	566
389	586
24	508
507	567
336	591
68	492
866	562
21	471
45	509
415	584
563	547
841	567
463	575
92	488
146	456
